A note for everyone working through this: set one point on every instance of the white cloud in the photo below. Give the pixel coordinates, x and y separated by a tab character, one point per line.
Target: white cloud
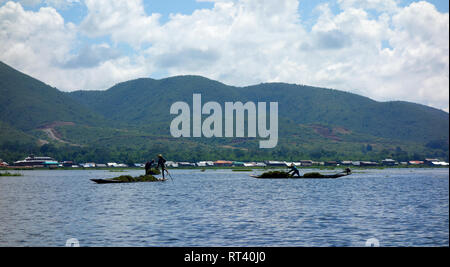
251	40
122	20
91	56
42	44
398	53
59	4
30	40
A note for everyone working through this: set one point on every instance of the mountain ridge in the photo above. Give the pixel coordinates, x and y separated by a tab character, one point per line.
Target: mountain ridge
302	104
27	103
132	119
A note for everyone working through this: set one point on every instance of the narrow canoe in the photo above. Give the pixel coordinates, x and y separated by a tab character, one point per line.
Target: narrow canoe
111	181
332	176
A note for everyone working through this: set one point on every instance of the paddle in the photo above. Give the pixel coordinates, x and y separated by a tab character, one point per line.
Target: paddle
169	174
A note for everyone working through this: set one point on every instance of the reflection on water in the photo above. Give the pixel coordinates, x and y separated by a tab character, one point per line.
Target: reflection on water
398	207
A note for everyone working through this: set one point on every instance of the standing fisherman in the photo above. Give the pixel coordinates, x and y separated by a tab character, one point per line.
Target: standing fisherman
162	164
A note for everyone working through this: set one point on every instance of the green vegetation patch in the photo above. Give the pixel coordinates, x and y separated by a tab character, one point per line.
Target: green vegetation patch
275	174
10	174
131	179
283	174
313	175
153	171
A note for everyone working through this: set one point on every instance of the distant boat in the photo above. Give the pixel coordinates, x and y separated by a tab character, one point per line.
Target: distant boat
285	175
106	181
128	179
111	181
36	161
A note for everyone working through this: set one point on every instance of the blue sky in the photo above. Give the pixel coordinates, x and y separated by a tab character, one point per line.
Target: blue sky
77	12
166	7
383	49
306	9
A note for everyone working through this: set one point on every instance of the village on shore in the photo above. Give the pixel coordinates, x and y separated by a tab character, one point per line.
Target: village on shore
32	162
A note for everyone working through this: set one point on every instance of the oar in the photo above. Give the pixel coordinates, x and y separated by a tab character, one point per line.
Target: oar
169	175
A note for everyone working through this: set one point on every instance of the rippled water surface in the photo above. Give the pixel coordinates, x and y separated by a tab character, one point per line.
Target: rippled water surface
399	207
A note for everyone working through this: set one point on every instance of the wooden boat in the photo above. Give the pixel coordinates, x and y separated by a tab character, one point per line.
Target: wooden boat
106	181
129	179
111	181
279	175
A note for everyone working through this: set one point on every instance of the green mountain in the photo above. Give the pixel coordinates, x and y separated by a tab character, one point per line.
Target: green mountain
130	122
146	101
27	103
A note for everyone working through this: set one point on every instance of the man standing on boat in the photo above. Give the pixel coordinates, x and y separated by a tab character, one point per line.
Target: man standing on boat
294	170
162	164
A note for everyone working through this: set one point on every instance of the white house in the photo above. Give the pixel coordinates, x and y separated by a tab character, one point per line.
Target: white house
439	163
88	165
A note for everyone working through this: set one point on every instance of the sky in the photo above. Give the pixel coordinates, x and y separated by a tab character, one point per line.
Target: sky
383	49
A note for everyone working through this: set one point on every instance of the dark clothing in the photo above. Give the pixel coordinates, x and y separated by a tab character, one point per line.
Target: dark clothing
294	171
161	163
348	171
148	166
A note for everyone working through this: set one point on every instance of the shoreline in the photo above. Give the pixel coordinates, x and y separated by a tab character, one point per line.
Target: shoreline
236	169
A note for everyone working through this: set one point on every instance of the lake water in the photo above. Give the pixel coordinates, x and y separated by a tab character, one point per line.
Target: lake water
398	207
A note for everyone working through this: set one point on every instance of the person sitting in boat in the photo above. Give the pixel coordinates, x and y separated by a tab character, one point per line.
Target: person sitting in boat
162	164
348	171
294	170
148	166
